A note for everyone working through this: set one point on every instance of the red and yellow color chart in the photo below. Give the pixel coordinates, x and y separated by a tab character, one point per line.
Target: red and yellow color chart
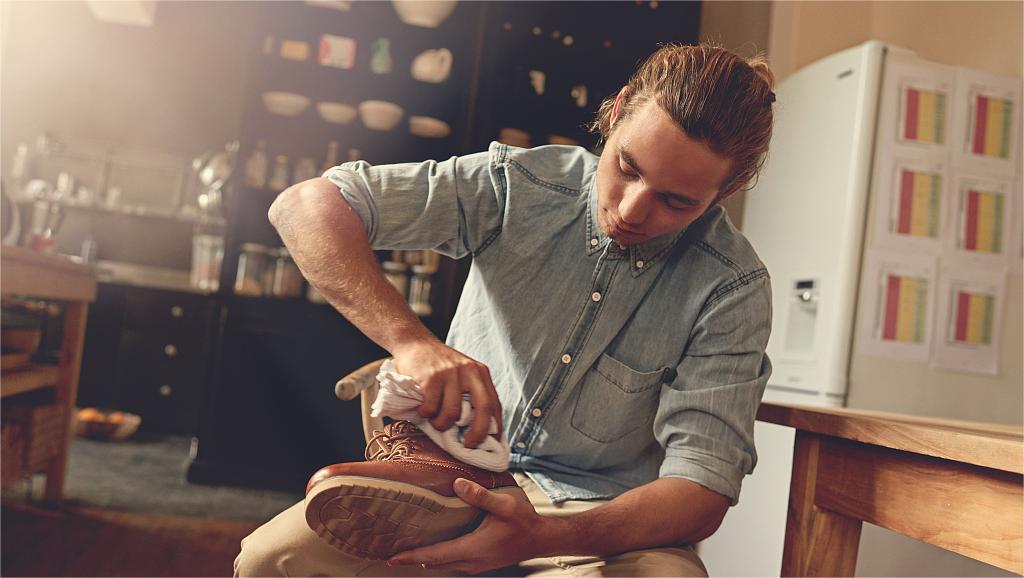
924	116
982	222
905	309
991	126
917	207
973	315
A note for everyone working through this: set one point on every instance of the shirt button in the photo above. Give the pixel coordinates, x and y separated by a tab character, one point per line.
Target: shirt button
593	242
566	358
520	445
595	296
536	412
640	264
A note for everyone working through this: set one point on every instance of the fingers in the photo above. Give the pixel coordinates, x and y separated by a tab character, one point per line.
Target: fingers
500	505
451	406
483	405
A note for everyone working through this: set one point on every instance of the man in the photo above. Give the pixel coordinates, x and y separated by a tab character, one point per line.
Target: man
613	320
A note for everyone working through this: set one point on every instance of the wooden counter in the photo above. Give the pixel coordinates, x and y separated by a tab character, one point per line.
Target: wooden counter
52	277
953	484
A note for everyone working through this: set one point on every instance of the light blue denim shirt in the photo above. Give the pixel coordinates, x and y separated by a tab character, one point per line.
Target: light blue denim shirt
614	366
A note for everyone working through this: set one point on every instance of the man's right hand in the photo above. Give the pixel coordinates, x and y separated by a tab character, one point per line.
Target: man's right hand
443	375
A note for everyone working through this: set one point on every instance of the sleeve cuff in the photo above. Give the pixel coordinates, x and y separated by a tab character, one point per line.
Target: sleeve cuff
355	196
706	470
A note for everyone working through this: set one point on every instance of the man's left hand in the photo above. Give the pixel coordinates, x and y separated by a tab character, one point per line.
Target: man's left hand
513	531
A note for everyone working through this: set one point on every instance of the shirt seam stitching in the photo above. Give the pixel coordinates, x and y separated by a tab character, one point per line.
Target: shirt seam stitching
736	284
538	181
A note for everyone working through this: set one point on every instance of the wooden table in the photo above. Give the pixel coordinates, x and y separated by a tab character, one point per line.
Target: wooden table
954	484
52	277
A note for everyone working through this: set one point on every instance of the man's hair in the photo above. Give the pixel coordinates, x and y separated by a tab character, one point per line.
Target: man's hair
714	95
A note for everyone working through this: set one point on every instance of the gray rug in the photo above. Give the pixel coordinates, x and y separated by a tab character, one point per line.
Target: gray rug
147	474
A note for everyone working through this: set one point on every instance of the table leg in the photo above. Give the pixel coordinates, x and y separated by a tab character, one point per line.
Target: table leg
819	542
75	314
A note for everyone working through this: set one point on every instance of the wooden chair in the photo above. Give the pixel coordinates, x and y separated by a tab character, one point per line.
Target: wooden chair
362	382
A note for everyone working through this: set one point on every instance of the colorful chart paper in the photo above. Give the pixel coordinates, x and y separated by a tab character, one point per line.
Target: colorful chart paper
924	116
895	313
991	126
905	311
918	208
971	311
974	315
982	222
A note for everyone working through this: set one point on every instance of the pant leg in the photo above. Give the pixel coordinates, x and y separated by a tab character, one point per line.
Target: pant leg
669	561
286	546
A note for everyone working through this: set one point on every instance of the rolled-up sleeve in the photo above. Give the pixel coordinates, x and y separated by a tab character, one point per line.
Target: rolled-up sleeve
705	418
454	207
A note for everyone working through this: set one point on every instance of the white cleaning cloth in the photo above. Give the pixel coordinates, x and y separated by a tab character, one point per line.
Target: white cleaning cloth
398	398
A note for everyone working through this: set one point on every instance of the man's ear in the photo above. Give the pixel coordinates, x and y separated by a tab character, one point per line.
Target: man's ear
617	107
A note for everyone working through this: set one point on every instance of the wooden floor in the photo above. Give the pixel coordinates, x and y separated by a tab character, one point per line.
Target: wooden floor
77	541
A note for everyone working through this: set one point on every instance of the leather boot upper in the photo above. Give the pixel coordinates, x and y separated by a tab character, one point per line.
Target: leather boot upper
403	453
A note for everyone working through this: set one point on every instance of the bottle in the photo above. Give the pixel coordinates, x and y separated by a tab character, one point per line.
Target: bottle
256	166
279	178
332	157
305	169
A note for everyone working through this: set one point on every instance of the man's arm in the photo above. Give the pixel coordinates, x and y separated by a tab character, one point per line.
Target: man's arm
667	511
328	241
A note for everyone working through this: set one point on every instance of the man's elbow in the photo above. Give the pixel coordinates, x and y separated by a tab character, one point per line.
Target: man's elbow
291	201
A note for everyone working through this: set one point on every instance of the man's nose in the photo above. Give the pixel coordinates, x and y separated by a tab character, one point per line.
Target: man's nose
635	205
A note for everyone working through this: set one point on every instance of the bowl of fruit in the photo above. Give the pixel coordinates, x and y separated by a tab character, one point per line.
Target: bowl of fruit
105	424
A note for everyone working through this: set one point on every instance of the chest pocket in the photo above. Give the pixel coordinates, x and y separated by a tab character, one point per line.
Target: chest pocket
615	400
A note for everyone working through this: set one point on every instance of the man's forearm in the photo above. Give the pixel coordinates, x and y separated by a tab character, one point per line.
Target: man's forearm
667	511
328	241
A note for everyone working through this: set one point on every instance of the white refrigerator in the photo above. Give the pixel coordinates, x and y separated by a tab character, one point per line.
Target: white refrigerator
845	210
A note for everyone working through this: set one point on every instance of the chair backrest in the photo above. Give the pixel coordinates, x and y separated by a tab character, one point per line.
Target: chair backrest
362	382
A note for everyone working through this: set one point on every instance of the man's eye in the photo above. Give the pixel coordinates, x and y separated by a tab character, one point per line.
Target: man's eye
625	170
675	204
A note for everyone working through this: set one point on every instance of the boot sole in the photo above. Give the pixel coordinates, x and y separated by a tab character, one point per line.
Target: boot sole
374	519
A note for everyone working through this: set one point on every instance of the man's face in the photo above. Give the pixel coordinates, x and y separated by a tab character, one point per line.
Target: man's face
653	179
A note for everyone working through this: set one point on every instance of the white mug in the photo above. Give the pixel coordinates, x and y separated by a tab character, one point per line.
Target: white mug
432	65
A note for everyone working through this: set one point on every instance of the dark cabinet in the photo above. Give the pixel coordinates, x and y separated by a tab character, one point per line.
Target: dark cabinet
272	418
149	352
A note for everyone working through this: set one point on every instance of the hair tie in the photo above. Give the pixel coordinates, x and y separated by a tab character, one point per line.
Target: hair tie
771	97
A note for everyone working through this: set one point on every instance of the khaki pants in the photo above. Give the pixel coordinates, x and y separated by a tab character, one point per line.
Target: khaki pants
285	546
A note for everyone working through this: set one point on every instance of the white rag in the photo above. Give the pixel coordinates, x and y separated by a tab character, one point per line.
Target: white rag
398	398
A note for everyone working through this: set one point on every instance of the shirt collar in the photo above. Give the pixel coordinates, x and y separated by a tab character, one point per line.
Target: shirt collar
641	257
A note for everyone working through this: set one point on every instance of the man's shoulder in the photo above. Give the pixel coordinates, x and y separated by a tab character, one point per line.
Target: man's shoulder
715	236
559	168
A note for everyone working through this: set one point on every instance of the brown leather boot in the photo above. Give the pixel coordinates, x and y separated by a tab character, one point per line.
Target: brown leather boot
400	498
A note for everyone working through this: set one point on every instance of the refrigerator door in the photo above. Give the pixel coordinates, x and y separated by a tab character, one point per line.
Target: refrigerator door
805	218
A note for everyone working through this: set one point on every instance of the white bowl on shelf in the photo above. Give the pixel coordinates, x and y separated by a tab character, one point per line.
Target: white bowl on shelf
424	13
380	114
336	112
429	127
285	103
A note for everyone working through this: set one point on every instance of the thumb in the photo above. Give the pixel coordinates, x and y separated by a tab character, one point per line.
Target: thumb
476	495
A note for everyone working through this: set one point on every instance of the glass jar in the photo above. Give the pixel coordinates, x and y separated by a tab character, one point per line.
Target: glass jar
279	176
287	277
419	290
252	262
207	256
397	274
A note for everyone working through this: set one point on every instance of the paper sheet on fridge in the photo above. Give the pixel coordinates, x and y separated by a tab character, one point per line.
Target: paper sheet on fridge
897	307
969	320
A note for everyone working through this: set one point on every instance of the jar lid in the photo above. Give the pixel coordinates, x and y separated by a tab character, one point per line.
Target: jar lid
394	267
423	269
254	248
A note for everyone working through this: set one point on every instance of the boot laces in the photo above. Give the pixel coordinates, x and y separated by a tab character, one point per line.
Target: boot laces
396	444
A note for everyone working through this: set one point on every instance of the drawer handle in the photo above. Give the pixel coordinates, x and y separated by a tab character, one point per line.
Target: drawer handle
165	390
177	311
170	350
